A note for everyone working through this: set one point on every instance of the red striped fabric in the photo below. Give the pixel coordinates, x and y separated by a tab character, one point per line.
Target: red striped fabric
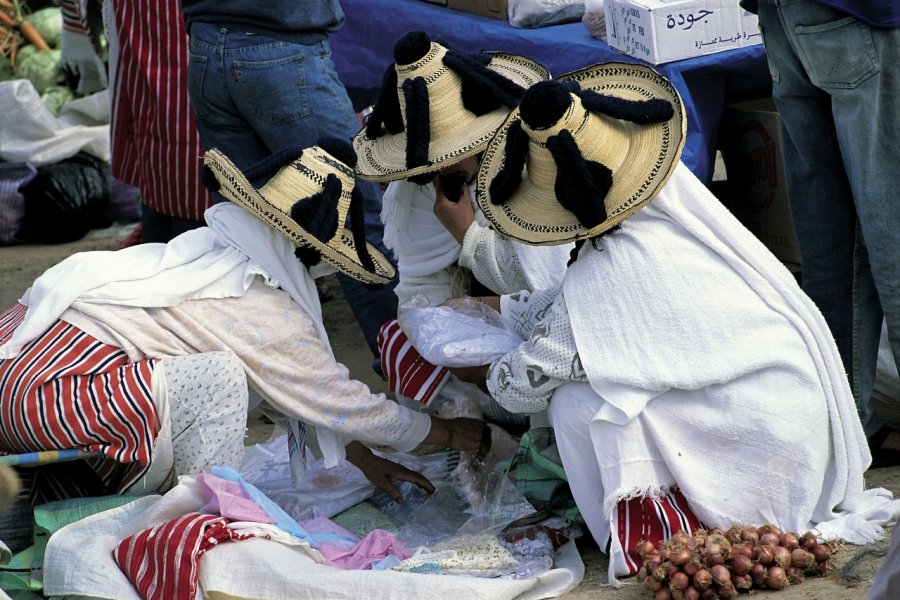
66	389
162	561
74	17
404	368
155	144
653	519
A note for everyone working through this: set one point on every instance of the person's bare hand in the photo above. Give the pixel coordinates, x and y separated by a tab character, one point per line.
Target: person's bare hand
382	473
456	217
477	375
460	433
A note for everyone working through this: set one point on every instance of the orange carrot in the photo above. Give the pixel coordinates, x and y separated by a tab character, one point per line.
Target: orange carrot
32	35
7	5
6	19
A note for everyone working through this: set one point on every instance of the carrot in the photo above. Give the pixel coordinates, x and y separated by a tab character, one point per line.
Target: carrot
6	19
7	5
32	35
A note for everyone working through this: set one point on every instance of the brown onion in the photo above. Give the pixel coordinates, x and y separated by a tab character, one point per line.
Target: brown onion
769	539
716	538
653	584
776	578
821	552
652	562
741	565
749	535
641	574
676	594
795	575
733	534
680	537
782	557
758	573
766	555
802	559
742	548
743	582
789	541
728	591
679	555
691	593
720	574
679	581
709	594
702	580
808	541
693	565
824	567
769	528
644	547
663	594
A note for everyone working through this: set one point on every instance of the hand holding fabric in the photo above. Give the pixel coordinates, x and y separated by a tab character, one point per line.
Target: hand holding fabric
456	214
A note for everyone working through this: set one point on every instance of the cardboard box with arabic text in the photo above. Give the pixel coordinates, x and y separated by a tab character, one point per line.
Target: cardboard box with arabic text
661	31
750	140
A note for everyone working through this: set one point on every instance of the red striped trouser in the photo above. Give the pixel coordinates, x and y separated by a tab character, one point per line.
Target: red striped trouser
66	389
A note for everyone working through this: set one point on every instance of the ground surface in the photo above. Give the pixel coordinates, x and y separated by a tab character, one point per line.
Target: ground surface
19	265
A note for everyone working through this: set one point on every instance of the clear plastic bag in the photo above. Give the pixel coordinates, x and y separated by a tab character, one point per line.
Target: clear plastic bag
594	18
462	333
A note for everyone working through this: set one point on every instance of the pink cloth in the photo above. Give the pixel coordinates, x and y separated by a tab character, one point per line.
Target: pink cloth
372	549
228	499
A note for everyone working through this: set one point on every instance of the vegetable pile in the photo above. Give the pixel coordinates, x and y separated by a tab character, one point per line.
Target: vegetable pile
719	564
29	44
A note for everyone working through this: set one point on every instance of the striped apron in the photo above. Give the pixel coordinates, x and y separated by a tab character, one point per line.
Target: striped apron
67	390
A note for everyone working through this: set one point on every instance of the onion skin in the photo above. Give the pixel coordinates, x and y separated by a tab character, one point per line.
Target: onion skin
824	567
808	541
709	594
790	541
702	580
681	537
769	539
644	548
728	591
795	575
679	581
776	578
758	573
821	552
766	555
742	548
741	565
743	582
691	593
663	594
720	574
782	557
653	584
679	556
749	535
802	559
693	566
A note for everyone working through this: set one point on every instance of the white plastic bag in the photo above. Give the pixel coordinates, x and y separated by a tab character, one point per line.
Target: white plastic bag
462	333
540	13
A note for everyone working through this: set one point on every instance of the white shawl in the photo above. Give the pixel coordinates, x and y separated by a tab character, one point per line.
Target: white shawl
218	261
682	313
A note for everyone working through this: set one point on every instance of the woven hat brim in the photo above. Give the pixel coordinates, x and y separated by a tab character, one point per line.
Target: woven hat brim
534	216
340	253
384	158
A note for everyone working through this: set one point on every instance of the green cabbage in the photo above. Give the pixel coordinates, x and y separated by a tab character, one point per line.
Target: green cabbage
41	68
55	97
48	22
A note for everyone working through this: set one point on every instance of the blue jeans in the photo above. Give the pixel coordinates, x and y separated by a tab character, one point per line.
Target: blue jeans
253	95
836	82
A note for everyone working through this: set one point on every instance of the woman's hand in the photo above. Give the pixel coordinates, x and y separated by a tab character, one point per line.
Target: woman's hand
461	433
456	217
477	375
382	473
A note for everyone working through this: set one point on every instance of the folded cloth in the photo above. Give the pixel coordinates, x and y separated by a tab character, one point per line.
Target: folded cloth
406	371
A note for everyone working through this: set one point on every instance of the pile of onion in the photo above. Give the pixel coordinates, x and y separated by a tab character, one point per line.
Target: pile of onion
714	563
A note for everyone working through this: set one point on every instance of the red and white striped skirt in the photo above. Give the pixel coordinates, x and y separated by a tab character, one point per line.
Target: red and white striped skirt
66	390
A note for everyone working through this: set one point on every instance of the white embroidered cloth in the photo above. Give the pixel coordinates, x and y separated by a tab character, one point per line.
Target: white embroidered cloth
723	373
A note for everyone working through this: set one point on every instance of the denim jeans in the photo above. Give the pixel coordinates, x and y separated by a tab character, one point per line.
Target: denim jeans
836	82
253	95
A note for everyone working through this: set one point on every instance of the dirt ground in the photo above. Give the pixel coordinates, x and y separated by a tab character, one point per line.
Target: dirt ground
19	265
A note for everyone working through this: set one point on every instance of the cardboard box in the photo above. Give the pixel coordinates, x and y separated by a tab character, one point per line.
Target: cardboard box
750	139
498	9
661	31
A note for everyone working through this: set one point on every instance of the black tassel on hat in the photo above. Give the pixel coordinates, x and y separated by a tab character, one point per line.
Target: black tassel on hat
509	178
581	185
316	213
338	148
358	228
418	123
483	90
386	114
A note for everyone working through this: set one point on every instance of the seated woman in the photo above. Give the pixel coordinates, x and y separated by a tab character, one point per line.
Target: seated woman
689	379
436	111
142	357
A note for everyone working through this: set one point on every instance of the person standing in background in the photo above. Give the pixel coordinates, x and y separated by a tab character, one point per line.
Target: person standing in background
261	78
835	68
154	139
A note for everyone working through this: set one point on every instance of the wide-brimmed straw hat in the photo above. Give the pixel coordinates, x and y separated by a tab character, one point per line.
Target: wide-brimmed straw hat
438	106
581	153
307	199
